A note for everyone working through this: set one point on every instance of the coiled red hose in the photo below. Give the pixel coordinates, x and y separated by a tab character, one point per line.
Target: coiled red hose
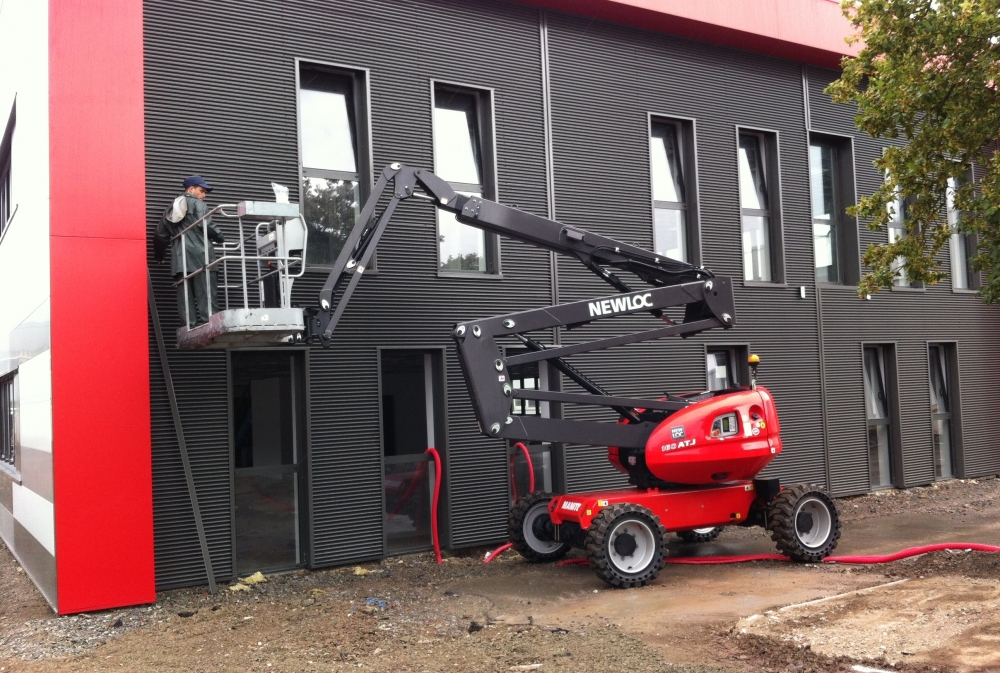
531	471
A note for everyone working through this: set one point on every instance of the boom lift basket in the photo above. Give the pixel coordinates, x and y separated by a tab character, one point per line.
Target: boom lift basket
256	275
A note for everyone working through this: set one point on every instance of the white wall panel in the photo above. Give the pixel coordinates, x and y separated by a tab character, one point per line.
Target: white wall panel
37	515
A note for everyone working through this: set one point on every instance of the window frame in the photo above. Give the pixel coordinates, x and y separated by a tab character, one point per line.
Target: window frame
736	356
687	143
361	81
10	455
485	98
953	381
845	195
7	207
770	143
888	363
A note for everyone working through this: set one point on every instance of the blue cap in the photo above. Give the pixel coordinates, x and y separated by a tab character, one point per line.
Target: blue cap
196	181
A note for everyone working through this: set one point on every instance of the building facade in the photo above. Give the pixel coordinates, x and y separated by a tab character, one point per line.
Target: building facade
683	129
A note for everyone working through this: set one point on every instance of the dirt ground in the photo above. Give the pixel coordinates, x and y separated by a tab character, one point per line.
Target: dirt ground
935	613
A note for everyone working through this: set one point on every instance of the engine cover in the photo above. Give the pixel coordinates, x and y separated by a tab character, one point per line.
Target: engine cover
728	437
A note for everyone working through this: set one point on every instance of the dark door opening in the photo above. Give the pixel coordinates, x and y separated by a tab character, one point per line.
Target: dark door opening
878	407
268	443
412	421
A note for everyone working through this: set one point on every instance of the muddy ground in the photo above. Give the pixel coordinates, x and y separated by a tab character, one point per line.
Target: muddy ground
937	612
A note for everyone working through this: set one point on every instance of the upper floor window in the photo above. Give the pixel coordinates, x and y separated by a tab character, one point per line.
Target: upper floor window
459	122
670	225
759	206
962	245
331	166
5	174
897	229
825	210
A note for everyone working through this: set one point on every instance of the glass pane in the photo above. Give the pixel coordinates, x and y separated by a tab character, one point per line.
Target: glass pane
876	403
959	262
541	463
821	181
942	449
669	236
327	141
756	248
330	208
265	522
825	245
719	374
900	280
939	381
408	498
460	247
879	470
456	146
753	193
667	179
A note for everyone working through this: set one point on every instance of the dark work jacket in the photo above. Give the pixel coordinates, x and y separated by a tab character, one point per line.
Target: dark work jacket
195	238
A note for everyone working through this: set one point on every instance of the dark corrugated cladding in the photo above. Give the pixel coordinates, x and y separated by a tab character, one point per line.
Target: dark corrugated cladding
220	101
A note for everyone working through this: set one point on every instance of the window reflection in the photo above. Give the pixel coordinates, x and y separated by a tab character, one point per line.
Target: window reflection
669	216
330	208
755	216
752	187
327	141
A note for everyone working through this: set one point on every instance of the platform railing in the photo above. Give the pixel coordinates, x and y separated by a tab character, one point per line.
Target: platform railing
285	267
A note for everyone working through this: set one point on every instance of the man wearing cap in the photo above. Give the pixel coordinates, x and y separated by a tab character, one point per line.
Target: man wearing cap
185	210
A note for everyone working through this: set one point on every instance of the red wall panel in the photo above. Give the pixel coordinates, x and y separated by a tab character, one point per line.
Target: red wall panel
100	359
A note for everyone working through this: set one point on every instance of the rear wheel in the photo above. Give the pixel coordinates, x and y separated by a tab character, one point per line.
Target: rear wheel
625	545
531	530
804	523
700	534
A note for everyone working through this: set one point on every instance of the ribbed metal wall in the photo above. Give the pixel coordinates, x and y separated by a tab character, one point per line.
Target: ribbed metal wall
221	101
910	320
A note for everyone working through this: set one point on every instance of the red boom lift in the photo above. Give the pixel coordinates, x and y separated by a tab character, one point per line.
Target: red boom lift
693	459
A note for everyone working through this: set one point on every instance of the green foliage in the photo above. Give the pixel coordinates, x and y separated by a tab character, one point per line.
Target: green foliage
928	75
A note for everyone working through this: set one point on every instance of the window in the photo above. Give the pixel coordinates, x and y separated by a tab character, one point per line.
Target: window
831	185
725	367
962	275
8	418
941	410
759	206
5	174
525	377
458	159
878	411
670	193
331	164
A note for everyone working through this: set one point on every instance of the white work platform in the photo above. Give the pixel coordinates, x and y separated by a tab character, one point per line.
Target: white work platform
241	328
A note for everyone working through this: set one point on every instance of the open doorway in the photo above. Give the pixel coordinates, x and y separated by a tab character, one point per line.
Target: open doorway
412	421
268	411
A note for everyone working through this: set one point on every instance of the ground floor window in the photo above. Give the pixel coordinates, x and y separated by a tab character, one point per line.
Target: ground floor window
8	416
724	366
878	410
941	410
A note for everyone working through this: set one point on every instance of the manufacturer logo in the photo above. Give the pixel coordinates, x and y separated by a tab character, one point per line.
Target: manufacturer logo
678	445
571	506
619	304
677	433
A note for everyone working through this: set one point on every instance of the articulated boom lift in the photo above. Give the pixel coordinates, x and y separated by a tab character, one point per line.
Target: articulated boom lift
692	458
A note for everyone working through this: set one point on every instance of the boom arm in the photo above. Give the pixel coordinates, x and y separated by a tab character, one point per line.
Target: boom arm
708	304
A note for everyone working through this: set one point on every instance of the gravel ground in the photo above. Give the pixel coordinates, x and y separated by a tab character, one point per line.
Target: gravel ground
400	615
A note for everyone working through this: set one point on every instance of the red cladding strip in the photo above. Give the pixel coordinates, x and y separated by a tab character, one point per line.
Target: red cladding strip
100	358
810	31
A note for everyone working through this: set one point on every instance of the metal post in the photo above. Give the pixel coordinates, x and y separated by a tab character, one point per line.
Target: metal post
179	429
243	265
184	284
208	274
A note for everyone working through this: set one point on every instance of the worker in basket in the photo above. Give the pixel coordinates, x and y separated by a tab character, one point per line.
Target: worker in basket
202	299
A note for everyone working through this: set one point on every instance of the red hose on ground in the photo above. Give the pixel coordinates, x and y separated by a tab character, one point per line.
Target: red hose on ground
434	504
496	552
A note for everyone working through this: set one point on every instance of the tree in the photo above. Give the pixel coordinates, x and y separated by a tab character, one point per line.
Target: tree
928	74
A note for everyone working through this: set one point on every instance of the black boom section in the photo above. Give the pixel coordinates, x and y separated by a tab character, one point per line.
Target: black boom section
708	303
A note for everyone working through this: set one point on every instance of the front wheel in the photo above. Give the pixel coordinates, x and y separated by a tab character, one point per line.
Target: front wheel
625	545
804	523
700	534
531	530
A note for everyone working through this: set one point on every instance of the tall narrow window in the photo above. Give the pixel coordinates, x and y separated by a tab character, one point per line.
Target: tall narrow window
941	406
5	175
897	229
8	430
330	167
961	271
458	159
823	161
878	412
756	216
669	203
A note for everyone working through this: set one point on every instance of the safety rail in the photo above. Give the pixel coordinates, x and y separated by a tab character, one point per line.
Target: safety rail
268	254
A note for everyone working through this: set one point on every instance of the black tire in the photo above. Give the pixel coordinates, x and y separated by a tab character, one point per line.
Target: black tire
700	534
619	533
529	528
804	523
